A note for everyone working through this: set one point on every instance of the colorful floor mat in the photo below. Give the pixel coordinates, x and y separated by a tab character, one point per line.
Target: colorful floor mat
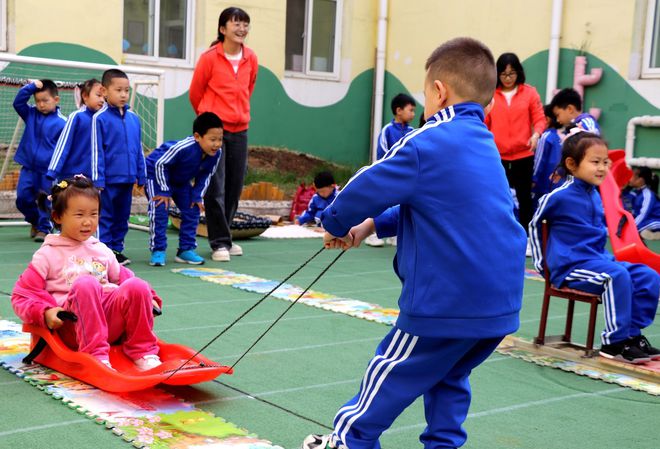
150	418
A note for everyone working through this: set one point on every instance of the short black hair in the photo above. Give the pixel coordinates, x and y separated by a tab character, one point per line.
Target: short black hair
401	101
467	65
566	97
511	59
547	110
231	13
111	74
575	146
323	179
48	86
206	121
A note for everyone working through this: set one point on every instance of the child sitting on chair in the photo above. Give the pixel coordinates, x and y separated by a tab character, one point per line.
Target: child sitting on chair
577	258
73	271
644	203
326	191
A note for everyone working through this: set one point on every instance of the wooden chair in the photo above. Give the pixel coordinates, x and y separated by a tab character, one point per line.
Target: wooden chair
571	295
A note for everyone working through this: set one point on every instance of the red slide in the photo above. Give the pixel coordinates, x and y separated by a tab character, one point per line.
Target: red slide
626	243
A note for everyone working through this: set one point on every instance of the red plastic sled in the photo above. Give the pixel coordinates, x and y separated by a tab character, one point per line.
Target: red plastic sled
626	242
125	377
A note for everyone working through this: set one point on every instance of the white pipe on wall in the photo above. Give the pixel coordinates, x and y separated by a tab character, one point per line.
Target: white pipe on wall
553	51
647	121
379	82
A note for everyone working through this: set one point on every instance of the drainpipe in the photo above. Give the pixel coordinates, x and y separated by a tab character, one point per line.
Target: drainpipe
379	82
553	51
647	121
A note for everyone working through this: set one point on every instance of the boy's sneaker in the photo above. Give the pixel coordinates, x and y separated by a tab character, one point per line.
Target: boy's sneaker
374	241
148	362
33	232
235	250
123	260
107	363
39	237
157	259
318	442
220	255
624	352
644	345
189	256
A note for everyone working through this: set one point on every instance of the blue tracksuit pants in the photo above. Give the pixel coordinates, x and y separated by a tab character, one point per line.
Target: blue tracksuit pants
30	183
182	196
405	367
115	212
629	294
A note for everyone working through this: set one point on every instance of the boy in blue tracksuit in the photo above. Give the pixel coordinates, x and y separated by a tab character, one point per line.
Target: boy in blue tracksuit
403	109
326	191
546	156
43	125
448	238
179	172
117	160
567	107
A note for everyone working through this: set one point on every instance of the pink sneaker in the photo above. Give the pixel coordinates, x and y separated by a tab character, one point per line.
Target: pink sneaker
148	362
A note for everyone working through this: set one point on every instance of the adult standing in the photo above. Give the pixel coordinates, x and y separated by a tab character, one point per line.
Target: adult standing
517	121
222	83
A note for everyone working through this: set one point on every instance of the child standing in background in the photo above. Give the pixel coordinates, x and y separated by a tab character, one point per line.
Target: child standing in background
576	255
546	156
403	109
43	125
117	160
645	203
567	107
326	191
73	153
180	172
73	271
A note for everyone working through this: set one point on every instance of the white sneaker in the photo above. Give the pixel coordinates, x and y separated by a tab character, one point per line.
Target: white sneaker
107	363
235	250
373	240
220	255
148	362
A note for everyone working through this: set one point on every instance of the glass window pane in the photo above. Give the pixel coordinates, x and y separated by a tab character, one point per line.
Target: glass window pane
324	14
655	46
172	31
139	27
295	34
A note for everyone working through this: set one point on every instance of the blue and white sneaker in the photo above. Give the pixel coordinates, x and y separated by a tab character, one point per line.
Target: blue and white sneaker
189	256
157	259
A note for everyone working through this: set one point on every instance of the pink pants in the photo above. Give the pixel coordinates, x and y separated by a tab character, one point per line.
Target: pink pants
105	317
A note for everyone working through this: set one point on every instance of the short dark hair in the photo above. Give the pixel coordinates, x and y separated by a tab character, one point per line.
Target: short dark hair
650	178
576	146
323	179
65	189
231	13
511	59
566	97
48	86
401	101
111	74
547	110
467	65
87	86
206	121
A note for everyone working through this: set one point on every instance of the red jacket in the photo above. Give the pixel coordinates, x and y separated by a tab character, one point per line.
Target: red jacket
216	88
514	124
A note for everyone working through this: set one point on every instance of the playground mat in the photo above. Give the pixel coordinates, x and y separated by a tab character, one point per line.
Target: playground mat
294	380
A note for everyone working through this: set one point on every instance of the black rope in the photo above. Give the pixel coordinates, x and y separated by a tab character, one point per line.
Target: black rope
288	308
246	312
272	404
5	293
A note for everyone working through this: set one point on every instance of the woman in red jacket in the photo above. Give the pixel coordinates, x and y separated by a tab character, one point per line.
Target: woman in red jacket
516	121
222	83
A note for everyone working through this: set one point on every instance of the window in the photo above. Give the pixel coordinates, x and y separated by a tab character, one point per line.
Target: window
3	25
651	66
313	34
158	29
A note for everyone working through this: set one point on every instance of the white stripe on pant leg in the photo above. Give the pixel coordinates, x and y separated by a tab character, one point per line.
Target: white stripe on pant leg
378	385
151	211
609	297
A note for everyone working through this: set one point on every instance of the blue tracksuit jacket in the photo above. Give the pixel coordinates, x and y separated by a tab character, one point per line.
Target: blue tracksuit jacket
177	164
391	134
646	209
73	153
117	156
587	122
316	205
450	239
546	159
40	134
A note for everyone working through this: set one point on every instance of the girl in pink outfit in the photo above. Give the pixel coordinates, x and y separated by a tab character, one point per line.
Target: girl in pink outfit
75	272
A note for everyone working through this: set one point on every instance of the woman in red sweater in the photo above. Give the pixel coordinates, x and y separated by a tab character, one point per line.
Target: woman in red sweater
516	121
222	83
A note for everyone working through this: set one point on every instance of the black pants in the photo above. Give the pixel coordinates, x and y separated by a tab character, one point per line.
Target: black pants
225	187
519	175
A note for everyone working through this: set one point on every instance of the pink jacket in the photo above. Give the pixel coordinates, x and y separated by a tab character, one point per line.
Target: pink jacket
55	266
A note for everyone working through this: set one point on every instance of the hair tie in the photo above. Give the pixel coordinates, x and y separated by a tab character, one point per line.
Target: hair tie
79	176
575	130
62	184
49	198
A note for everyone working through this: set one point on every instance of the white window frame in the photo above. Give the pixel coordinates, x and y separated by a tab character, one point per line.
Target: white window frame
647	70
3	25
307	47
187	62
